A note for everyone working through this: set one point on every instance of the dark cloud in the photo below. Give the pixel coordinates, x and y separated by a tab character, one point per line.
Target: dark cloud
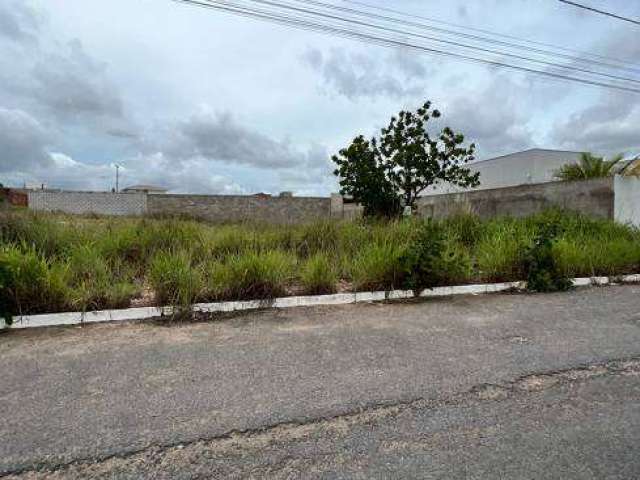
23	142
355	75
60	83
72	85
219	137
610	125
18	21
495	118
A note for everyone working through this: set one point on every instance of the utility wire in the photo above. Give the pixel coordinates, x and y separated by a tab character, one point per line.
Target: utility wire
387	42
439	40
471	36
601	12
481	30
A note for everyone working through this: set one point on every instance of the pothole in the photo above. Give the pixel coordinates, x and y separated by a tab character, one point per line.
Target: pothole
585	373
536	383
491	392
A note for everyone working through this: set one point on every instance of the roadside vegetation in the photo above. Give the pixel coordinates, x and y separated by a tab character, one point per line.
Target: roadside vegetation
51	263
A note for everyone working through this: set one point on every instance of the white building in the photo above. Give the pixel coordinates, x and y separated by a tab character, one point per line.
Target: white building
536	165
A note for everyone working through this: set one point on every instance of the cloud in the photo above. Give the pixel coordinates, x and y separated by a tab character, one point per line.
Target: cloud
610	125
57	81
356	75
18	21
23	141
495	117
74	86
218	137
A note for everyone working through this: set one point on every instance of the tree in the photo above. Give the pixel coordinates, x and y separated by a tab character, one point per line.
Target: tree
391	171
589	166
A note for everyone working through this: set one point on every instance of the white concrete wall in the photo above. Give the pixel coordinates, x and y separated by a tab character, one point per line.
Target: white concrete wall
101	203
626	204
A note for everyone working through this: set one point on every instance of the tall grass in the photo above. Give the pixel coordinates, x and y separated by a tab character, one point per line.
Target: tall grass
318	275
258	275
378	267
52	262
174	278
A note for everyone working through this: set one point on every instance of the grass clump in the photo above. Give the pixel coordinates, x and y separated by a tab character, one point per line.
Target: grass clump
318	275
378	267
252	275
175	280
500	251
30	283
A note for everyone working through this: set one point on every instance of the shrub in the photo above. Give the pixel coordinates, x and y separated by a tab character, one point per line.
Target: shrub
318	275
174	279
543	273
434	258
378	267
251	275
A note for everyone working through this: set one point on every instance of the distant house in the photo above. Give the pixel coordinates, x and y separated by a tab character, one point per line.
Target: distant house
536	165
144	189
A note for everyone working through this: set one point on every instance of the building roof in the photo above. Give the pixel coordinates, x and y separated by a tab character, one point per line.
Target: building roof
528	151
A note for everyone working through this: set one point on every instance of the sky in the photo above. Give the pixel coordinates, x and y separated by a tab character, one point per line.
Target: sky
200	101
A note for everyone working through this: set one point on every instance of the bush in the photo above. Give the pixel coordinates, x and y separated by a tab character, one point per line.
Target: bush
434	258
318	275
251	275
543	273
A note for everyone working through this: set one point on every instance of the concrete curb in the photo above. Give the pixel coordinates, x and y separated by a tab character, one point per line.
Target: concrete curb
142	313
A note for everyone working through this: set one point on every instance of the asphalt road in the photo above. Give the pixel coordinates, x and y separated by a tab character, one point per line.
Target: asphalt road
500	386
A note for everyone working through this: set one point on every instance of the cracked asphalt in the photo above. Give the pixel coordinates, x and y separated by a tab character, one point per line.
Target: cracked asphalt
494	386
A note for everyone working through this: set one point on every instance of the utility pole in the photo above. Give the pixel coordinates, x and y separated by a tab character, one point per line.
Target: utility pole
117	176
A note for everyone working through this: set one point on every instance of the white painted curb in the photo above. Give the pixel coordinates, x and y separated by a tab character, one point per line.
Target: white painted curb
142	313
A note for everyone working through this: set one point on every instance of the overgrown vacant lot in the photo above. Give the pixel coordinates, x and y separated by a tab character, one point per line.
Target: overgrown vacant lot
54	263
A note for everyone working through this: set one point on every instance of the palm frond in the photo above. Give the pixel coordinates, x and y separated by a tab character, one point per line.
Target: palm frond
588	166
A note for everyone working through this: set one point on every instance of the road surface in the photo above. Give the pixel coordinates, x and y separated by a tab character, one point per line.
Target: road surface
494	386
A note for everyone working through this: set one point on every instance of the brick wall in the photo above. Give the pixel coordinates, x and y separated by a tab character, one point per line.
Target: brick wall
102	203
235	208
591	197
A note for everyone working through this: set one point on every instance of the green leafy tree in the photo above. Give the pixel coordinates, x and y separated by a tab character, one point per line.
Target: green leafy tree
589	166
390	171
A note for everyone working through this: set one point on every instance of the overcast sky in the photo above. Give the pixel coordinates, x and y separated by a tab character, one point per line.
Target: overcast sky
200	101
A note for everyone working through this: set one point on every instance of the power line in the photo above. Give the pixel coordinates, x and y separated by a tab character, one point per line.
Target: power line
481	30
450	42
305	23
601	12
